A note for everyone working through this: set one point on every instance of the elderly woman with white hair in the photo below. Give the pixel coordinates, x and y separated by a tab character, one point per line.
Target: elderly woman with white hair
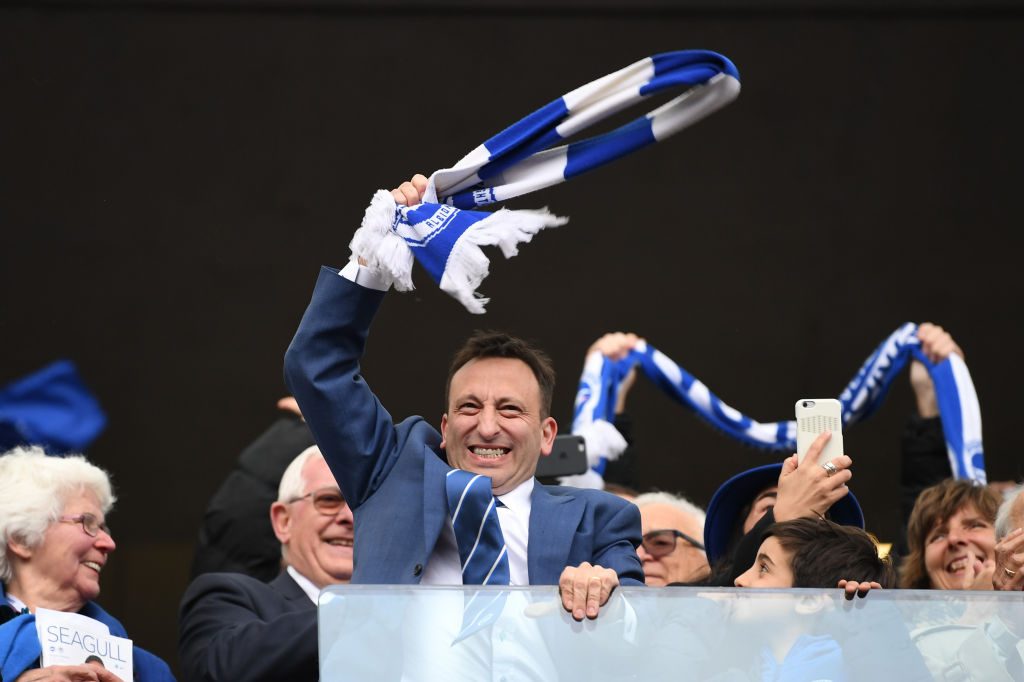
56	544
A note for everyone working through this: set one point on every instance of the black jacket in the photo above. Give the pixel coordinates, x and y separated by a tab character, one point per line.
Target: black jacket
233	627
236	535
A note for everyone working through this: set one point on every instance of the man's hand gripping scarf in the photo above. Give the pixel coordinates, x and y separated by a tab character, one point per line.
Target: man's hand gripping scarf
445	236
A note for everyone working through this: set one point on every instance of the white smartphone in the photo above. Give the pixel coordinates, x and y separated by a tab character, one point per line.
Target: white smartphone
814	416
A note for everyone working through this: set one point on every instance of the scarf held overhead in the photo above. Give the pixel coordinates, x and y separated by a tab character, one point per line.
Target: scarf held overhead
958	402
446	236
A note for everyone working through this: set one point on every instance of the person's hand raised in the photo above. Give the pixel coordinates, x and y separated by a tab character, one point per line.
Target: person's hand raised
809	489
410	192
1009	573
937	345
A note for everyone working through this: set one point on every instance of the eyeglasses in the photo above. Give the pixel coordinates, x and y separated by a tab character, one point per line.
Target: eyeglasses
659	543
327	501
90	524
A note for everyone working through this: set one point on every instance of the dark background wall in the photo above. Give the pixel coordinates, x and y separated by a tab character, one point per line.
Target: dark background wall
172	176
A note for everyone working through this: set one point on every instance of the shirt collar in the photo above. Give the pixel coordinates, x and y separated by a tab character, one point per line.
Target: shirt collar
16	604
311	590
519	499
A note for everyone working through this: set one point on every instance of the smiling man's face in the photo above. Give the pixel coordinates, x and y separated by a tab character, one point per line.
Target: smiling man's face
683	564
494	424
317	545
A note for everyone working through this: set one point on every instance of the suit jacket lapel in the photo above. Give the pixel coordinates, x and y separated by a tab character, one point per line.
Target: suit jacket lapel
553	523
435	498
289	589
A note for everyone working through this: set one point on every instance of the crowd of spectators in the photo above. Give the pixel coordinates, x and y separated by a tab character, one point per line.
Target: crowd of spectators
335	478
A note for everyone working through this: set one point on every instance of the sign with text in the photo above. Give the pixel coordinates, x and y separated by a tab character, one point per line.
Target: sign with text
73	639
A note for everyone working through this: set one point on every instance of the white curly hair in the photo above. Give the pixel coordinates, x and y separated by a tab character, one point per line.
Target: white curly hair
1003	525
293	485
677	501
34	489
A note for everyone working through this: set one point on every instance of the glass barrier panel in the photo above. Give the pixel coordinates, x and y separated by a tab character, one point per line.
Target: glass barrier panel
384	633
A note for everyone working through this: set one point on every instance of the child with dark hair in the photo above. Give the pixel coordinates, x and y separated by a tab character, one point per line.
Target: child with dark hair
818	553
798	633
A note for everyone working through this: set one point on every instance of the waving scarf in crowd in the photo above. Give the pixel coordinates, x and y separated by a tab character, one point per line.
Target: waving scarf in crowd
52	408
958	402
445	237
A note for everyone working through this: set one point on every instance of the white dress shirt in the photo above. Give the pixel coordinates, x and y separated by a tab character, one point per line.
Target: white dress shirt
311	590
16	604
444	566
364	277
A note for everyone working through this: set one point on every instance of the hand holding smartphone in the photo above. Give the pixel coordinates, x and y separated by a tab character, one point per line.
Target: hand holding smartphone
813	417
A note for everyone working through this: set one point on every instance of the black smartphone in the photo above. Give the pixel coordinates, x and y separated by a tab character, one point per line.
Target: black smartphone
568	457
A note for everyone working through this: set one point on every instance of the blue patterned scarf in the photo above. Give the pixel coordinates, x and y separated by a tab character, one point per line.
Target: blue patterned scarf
446	237
958	402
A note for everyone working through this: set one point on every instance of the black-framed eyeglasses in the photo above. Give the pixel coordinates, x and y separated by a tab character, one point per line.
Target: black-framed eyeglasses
327	501
659	543
90	524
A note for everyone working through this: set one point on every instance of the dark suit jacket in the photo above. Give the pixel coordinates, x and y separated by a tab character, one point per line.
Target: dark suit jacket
393	475
233	627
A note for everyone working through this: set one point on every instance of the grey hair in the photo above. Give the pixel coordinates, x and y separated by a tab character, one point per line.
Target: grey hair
292	484
677	501
35	488
1003	515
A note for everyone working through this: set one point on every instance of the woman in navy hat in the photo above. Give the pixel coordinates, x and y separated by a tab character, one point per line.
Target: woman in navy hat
745	505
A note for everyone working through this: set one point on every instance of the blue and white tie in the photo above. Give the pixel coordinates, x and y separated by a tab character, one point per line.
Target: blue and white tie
482	550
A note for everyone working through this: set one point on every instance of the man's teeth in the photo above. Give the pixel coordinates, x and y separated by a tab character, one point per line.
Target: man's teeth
340	543
93	565
489	452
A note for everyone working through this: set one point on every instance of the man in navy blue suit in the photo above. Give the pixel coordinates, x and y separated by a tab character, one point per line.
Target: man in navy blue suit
235	627
497	424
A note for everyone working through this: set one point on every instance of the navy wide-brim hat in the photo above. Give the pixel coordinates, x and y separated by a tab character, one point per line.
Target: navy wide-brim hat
738	493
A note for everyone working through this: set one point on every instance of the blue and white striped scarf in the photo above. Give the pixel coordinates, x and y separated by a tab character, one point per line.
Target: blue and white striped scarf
445	236
958	402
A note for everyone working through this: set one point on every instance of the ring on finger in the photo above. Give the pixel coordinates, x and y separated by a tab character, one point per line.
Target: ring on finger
830	468
1009	572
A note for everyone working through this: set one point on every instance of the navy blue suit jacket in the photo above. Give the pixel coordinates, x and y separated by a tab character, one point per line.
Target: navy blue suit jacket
393	475
234	627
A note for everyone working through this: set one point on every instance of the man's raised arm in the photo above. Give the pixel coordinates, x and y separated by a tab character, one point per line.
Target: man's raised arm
353	429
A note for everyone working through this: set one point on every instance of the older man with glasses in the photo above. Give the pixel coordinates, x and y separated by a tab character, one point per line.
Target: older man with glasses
670	551
234	627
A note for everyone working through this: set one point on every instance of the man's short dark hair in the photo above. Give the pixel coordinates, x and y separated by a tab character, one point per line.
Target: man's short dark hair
492	344
823	553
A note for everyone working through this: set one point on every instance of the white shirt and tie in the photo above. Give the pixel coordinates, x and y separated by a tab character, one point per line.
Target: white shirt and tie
444	566
513	649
